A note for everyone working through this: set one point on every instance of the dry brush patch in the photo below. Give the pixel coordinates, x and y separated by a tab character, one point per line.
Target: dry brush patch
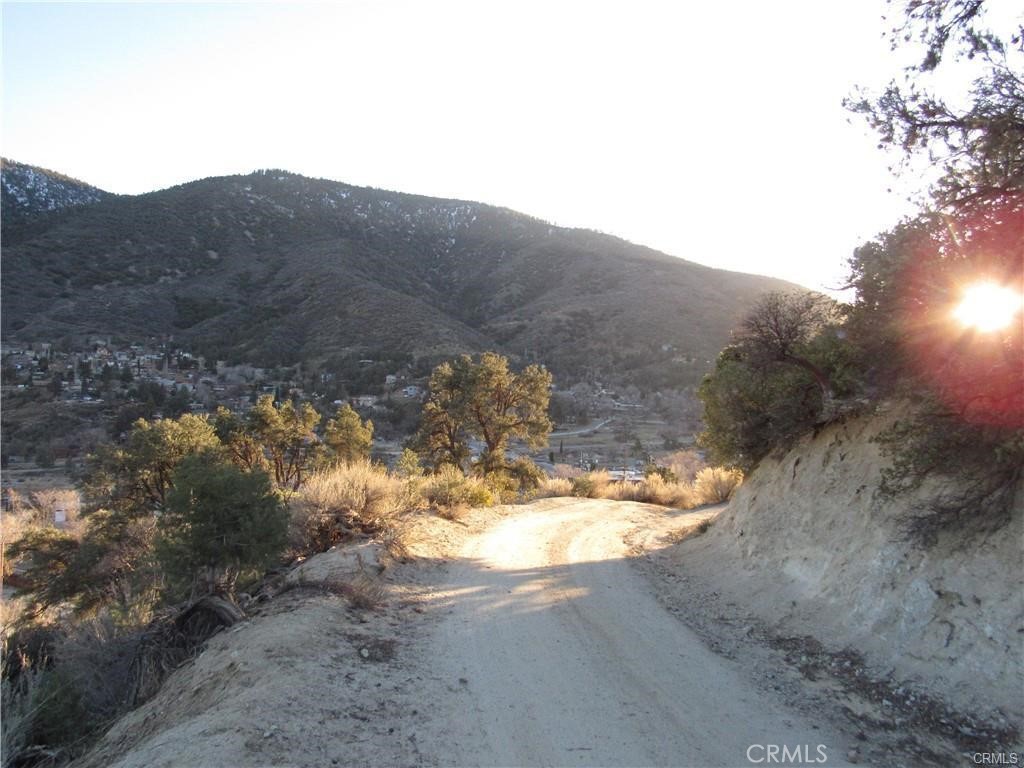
554	486
337	504
566	471
22	698
35	515
363	591
593	485
654	489
691	531
96	669
712	485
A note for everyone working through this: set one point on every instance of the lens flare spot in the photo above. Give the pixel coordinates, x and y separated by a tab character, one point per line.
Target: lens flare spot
988	306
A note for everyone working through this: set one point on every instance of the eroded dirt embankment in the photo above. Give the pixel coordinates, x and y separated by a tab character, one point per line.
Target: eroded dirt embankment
811	549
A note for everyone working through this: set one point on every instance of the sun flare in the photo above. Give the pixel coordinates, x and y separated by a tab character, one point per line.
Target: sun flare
988	306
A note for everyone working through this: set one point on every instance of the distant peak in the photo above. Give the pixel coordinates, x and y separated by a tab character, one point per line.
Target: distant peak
30	189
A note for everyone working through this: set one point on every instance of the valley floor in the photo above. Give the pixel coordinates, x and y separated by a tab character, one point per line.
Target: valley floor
558	633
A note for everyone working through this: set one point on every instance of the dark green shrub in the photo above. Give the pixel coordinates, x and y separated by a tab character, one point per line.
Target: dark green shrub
450	488
514	481
220	523
584	487
749	409
664	473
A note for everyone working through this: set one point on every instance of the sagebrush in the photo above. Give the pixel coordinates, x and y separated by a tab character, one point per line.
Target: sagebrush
712	485
358	498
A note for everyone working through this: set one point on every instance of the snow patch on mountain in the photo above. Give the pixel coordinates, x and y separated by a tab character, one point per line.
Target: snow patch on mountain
29	189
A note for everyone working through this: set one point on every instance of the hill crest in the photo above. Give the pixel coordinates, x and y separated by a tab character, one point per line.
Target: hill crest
277	268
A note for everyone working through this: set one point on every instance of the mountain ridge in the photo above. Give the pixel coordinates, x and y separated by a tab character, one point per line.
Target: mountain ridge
278	268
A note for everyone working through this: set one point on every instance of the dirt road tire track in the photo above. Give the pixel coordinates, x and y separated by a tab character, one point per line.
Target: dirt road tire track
556	653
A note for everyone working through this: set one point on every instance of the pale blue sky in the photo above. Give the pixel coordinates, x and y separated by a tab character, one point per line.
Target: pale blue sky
711	131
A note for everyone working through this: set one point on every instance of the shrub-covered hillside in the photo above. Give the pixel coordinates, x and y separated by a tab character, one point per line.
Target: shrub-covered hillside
275	268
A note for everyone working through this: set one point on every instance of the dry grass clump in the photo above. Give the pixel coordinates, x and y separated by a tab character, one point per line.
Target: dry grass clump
554	486
653	489
692	531
714	485
455	513
64	684
566	471
337	503
365	592
400	538
95	660
680	495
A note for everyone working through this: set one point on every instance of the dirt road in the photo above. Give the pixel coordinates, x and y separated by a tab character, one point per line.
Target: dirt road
559	655
523	635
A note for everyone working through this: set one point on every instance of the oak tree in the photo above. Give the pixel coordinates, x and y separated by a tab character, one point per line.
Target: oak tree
781	327
487	401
